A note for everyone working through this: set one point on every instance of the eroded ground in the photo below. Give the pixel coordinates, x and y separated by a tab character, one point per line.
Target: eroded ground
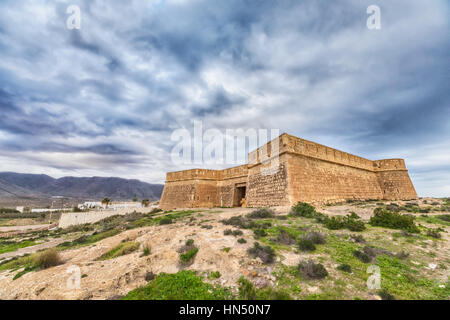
412	265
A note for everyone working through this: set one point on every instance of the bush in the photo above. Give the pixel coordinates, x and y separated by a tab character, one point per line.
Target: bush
393	220
385	295
312	270
247	291
259	232
188	256
357	238
315	237
284	237
345	267
362	256
434	233
306	245
445	217
164	221
229	232
265	253
350	222
122	249
302	209
242	240
261	214
188	252
147	250
46	259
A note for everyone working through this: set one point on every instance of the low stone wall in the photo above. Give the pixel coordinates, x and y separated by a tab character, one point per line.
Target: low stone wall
75	218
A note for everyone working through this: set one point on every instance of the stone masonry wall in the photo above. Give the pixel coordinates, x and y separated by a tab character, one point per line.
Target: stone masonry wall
313	180
305	171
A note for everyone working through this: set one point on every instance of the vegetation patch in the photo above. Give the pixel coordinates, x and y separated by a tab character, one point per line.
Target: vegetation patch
312	270
88	239
265	253
37	261
261	214
10	246
306	245
122	249
345	267
229	232
247	291
184	285
393	220
188	253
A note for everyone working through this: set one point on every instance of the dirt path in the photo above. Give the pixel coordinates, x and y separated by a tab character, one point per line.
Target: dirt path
23	228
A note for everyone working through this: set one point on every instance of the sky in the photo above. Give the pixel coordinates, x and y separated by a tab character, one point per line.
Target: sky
106	99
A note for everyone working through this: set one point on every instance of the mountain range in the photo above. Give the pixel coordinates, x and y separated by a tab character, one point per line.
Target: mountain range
31	186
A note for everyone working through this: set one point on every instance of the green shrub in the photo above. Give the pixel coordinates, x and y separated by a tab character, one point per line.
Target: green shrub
393	220
242	240
261	214
214	275
36	261
345	267
235	233
350	222
306	245
122	249
188	252
315	237
146	251
46	259
311	270
303	209
265	253
362	256
189	255
164	221
259	232
434	233
385	295
184	285
284	237
247	291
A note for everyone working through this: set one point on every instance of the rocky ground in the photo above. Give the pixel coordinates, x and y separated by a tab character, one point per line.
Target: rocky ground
422	274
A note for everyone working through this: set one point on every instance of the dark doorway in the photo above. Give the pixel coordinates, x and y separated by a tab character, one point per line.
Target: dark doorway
239	194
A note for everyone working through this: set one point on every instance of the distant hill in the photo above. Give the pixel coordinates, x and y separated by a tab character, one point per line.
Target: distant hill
39	185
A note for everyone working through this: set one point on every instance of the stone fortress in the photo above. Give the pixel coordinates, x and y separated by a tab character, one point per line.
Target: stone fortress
287	170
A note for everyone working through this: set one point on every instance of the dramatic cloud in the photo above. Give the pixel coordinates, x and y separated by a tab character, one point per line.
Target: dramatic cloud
105	99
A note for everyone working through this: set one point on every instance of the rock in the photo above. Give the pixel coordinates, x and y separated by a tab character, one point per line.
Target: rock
149	276
432	266
261	282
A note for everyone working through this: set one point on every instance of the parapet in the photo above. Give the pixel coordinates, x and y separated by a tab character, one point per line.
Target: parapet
389	165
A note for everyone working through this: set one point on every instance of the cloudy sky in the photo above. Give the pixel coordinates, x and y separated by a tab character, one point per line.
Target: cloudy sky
105	99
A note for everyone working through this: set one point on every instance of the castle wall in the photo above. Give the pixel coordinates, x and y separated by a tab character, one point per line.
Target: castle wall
394	180
301	170
315	180
268	186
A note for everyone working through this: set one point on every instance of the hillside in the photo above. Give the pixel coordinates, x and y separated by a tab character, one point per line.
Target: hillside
38	185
